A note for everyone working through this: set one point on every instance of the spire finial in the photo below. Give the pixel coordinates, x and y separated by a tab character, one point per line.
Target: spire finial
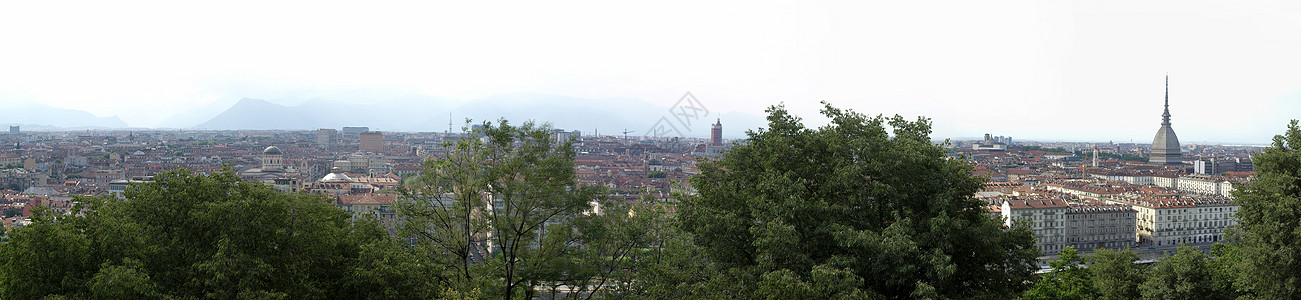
1165	117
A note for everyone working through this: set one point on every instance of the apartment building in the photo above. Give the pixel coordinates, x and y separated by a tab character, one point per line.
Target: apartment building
1093	224
1047	217
1183	219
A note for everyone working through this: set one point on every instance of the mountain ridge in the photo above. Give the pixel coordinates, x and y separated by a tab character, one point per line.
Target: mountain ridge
432	115
39	115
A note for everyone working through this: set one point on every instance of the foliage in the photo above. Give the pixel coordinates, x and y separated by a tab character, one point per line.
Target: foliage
193	236
670	266
796	206
1269	221
825	283
657	174
1185	275
1115	275
500	214
614	247
12	211
1069	279
1106	274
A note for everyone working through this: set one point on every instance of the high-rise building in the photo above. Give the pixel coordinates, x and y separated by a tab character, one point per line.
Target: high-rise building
1215	166
716	133
351	134
990	144
13	129
562	136
372	142
1165	146
326	137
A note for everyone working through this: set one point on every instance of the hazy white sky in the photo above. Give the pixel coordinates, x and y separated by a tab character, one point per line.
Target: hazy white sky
1084	70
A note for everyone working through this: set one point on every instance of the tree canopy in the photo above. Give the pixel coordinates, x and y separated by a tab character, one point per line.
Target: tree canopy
503	215
869	211
188	235
1185	275
1269	221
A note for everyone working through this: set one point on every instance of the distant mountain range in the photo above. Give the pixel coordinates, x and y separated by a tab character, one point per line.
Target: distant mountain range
610	116
42	117
410	114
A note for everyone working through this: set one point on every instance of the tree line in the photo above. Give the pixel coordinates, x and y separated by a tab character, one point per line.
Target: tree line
866	207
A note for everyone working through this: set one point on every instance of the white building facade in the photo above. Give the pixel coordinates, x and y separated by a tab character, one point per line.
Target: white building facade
1047	219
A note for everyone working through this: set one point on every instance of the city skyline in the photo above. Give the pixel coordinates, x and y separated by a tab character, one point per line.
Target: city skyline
1075	71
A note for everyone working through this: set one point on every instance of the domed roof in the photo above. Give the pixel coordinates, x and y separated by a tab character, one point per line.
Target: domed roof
336	175
1165	145
1166	140
273	150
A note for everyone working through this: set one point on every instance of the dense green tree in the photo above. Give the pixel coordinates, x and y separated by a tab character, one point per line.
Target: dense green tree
1184	275
1106	274
498	213
1114	273
1222	262
824	283
194	236
11	212
852	198
672	267
1069	279
613	246
1269	221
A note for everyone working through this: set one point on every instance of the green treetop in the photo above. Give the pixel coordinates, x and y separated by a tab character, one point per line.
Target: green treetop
1269	221
504	215
187	235
857	207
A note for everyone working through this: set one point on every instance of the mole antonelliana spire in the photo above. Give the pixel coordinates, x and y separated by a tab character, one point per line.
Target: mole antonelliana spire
1165	117
1165	146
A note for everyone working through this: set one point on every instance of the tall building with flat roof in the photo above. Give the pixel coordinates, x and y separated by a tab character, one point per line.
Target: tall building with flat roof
372	142
351	134
326	137
1165	146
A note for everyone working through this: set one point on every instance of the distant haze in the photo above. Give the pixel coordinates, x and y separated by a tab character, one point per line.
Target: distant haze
605	116
1060	70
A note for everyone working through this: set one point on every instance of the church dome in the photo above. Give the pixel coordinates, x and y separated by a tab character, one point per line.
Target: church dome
273	150
336	175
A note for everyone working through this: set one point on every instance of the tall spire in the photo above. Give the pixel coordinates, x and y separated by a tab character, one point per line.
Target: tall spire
1165	117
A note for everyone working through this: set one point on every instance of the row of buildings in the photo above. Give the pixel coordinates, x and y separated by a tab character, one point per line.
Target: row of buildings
358	168
1094	213
1072	197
